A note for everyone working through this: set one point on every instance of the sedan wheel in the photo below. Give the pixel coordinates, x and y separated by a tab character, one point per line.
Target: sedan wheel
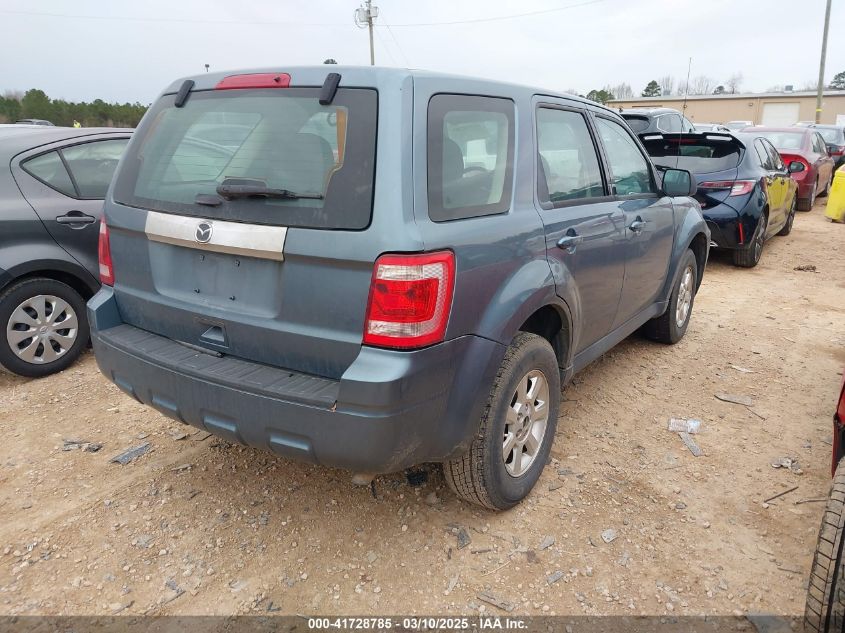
790	220
45	325
42	329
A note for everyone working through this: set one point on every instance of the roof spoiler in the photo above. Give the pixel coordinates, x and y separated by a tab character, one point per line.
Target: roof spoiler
692	137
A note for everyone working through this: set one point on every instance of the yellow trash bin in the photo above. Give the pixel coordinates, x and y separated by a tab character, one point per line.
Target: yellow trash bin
836	199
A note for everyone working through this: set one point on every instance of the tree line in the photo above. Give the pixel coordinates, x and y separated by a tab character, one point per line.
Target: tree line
35	104
700	85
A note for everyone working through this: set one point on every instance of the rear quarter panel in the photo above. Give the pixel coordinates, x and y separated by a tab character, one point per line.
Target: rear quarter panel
502	273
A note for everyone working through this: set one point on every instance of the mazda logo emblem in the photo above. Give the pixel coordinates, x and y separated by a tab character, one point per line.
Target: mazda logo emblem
203	234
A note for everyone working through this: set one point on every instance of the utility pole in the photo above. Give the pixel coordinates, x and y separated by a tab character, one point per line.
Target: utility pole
364	16
820	88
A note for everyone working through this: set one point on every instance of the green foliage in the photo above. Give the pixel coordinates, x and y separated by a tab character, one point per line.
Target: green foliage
652	89
35	104
838	82
600	96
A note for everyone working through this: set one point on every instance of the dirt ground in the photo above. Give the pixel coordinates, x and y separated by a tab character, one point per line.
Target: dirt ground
199	526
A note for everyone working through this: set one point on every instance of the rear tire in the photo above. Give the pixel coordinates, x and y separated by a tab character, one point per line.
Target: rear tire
490	474
41	306
749	256
671	326
825	608
807	204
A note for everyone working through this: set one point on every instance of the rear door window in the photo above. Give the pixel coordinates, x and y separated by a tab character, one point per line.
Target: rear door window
774	156
819	145
631	170
308	165
568	166
92	165
470	156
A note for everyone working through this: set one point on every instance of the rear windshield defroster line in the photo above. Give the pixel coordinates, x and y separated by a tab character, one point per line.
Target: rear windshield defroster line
278	139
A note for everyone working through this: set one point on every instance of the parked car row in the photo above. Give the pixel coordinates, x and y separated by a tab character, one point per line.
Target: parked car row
259	284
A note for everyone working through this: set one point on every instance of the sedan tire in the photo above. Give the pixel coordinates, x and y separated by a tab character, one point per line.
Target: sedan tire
807	204
790	220
749	256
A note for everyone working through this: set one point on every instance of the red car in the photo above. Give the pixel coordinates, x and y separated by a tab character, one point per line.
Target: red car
825	608
805	153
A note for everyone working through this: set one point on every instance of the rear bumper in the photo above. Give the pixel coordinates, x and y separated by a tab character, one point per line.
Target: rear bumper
390	410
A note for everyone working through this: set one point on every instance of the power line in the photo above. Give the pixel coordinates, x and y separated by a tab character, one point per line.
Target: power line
289	23
502	17
114	18
384	44
398	46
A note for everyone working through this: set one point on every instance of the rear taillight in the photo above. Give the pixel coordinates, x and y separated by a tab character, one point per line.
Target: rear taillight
737	187
837	151
104	255
410	299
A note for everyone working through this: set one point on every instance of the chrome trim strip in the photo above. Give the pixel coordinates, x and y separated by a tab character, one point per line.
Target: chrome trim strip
248	240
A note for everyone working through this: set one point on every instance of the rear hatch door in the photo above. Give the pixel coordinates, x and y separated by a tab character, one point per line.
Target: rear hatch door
711	157
238	222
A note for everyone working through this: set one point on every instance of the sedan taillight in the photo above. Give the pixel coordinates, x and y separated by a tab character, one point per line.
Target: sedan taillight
737	187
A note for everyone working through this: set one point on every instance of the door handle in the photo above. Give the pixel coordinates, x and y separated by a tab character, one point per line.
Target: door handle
569	242
637	226
76	217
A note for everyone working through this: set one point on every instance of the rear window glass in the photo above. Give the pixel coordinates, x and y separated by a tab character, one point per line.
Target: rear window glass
832	136
698	156
785	140
637	123
316	163
470	156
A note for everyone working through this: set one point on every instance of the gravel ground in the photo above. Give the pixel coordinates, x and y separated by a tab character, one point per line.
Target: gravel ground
199	526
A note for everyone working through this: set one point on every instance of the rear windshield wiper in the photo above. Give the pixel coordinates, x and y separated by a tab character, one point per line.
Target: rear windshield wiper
233	188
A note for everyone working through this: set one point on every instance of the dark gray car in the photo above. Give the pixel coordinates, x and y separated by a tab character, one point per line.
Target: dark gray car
52	184
373	268
657	120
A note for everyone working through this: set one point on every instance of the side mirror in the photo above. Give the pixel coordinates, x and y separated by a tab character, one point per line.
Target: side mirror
796	166
678	182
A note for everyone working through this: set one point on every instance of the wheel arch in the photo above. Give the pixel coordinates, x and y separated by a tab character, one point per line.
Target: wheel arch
74	276
552	322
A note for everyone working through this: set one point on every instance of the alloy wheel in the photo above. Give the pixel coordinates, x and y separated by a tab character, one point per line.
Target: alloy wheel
685	293
42	329
526	422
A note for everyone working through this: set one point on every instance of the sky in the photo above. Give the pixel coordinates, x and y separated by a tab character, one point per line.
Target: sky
129	51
